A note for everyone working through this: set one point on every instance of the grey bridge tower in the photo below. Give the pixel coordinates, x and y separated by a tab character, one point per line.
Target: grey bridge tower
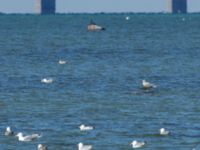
45	6
177	6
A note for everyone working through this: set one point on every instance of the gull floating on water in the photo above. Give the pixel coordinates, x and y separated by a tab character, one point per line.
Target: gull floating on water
62	62
8	132
148	85
136	144
127	17
94	27
47	80
164	132
42	147
85	128
84	147
28	137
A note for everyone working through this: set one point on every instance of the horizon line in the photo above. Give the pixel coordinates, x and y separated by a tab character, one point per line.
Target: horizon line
62	13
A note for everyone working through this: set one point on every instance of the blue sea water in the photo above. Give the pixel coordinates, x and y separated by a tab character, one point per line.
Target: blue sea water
100	85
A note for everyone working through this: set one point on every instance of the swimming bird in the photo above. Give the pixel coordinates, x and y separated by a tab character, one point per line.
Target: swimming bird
84	147
42	147
85	128
136	144
148	85
47	80
27	138
164	132
94	27
8	132
62	62
127	17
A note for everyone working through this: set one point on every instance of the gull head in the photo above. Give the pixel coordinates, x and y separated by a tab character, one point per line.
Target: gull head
82	126
42	147
144	81
134	143
39	146
20	134
8	129
162	130
80	145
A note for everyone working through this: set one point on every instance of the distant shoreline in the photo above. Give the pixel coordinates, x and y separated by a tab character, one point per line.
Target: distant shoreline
99	13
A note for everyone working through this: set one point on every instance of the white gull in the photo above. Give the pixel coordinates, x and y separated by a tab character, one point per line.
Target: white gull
163	131
127	17
148	85
85	128
136	144
8	132
27	138
62	62
84	147
47	80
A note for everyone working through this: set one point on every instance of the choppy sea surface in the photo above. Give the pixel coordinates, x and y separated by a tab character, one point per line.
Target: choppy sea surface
101	83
